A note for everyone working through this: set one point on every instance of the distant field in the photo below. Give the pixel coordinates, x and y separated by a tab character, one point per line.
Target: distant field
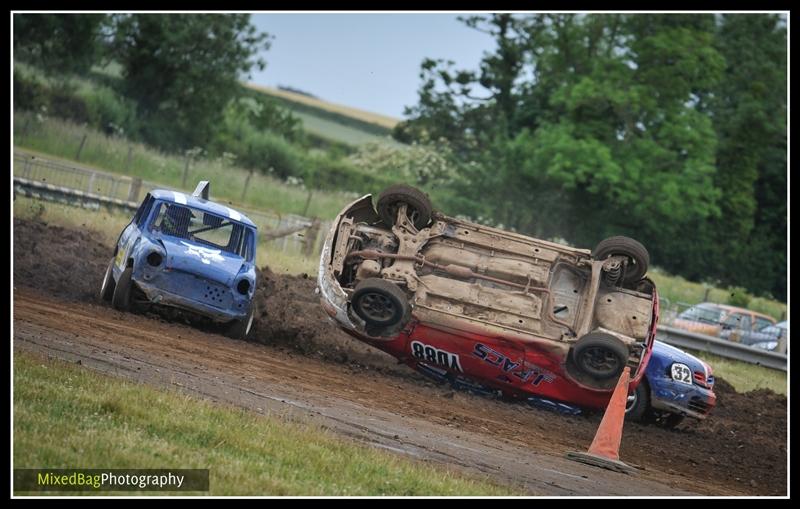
364	116
331	130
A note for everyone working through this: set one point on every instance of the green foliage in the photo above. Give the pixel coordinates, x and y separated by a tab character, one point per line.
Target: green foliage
738	297
417	164
75	99
59	43
659	127
183	69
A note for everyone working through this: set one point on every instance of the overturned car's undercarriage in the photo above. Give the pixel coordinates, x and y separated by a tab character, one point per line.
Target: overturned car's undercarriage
386	272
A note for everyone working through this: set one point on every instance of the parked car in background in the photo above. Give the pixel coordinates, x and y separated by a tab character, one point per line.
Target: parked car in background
675	385
188	253
768	338
721	320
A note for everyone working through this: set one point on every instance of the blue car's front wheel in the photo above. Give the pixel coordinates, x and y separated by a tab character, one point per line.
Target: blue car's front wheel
121	300
240	329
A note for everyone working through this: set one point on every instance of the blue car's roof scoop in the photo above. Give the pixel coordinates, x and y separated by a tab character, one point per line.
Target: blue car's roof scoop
201	191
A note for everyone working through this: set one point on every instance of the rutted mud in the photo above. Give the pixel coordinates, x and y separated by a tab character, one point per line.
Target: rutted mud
740	449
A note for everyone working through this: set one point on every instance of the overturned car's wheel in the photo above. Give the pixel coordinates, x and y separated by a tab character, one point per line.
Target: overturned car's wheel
240	329
418	207
121	299
600	355
380	303
107	288
638	257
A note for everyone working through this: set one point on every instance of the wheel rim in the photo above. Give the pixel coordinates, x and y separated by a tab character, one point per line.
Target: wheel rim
631	402
377	307
249	324
600	360
105	282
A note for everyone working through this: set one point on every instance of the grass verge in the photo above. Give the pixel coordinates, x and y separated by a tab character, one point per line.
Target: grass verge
62	139
70	417
744	376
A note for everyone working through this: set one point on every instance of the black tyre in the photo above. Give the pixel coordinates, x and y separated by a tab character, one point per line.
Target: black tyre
600	355
638	257
638	406
380	304
240	329
107	288
418	207
121	299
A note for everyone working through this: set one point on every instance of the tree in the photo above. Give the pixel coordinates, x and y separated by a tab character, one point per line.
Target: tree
59	43
183	69
593	125
750	114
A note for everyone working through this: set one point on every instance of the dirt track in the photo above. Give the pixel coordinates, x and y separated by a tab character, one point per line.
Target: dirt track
307	369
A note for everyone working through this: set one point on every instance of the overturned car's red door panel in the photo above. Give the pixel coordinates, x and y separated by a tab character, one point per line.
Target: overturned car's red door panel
516	369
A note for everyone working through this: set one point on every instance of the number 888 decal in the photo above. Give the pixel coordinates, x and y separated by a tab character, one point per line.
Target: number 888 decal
431	355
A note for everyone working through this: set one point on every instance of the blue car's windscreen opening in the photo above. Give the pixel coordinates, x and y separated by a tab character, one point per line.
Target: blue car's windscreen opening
200	227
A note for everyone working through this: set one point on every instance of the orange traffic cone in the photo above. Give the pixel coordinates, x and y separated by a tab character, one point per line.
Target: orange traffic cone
604	451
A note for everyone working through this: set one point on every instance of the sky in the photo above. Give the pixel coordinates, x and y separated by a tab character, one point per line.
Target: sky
365	61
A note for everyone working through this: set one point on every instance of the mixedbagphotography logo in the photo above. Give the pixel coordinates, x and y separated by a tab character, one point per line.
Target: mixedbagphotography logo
45	479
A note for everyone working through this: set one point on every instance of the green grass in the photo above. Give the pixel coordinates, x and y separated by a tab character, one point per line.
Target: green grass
744	376
70	417
678	290
62	139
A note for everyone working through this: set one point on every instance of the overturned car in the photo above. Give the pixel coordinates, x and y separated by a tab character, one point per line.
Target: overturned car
526	317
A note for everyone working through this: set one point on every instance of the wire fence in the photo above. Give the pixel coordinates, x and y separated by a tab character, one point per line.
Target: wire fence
288	233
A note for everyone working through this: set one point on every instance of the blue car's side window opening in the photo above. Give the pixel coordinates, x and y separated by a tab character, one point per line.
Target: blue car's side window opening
144	211
141	212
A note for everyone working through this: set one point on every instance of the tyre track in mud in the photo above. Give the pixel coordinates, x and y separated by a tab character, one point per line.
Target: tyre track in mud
356	405
308	369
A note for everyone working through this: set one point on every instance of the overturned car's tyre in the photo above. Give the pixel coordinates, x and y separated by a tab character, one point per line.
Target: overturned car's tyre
638	257
418	207
240	329
600	355
121	299
380	303
107	288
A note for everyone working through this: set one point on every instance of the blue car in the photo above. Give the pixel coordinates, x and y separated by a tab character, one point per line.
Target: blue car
186	252
675	385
